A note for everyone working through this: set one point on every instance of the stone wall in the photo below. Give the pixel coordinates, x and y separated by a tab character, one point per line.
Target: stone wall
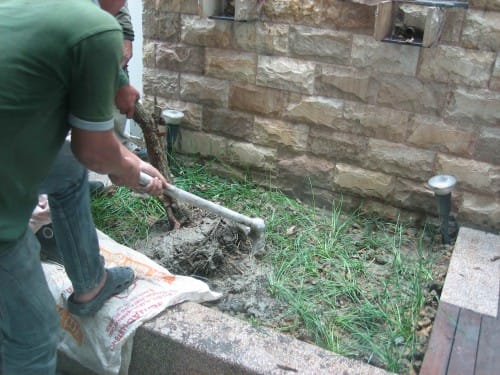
306	99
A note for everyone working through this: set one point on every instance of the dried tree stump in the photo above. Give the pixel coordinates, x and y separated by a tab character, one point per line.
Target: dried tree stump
157	157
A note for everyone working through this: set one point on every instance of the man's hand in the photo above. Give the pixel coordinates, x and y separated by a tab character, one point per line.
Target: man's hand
127	52
101	152
125	100
132	180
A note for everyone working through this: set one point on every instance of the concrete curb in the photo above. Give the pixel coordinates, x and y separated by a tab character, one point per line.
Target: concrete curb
193	339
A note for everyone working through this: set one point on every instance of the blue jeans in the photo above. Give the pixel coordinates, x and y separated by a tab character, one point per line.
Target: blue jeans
28	319
68	192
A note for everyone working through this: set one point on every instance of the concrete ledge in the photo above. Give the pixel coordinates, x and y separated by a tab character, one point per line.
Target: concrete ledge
472	281
193	339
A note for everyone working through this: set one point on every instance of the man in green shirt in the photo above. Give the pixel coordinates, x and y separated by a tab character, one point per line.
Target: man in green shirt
59	70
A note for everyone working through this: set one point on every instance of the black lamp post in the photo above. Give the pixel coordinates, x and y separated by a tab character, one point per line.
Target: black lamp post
442	186
172	118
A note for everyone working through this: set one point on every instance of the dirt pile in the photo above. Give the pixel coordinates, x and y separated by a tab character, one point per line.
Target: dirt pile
218	252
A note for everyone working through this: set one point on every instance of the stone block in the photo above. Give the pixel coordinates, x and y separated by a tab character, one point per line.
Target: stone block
226	170
345	82
320	44
211	7
474	105
433	26
452	27
228	65
180	58
244	36
169	5
189	6
387	211
480	210
256	99
336	146
410	194
316	172
250	155
192	112
272	39
160	83
362	181
485	4
433	133
410	94
149	24
149	54
246	10
414	15
495	76
282	11
315	110
384	57
473	175
276	133
168	27
482	30
310	13
375	121
204	90
456	65
399	160
286	74
487	147
206	32
191	142
228	123
150	4
338	14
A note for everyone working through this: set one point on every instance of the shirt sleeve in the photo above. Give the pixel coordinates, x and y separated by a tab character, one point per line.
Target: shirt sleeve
122	78
123	17
95	79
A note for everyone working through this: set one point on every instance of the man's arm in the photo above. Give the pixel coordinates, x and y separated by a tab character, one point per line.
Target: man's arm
92	93
125	100
101	152
123	17
125	21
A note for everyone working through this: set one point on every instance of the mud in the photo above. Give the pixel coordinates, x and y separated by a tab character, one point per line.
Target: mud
220	253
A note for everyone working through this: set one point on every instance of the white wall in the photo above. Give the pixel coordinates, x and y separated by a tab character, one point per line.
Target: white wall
135	65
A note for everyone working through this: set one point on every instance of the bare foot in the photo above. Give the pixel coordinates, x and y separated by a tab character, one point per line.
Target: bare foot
86	297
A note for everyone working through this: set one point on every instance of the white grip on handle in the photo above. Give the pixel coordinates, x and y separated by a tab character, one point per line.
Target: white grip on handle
144	179
257	224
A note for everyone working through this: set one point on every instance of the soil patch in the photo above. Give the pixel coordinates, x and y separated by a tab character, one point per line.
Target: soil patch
218	252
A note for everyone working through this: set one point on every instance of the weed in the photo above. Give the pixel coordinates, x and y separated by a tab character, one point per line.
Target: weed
352	280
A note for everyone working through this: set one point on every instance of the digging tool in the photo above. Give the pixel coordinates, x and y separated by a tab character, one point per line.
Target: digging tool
256	226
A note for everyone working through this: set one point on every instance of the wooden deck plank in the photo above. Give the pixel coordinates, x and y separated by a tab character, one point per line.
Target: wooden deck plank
488	356
464	351
441	340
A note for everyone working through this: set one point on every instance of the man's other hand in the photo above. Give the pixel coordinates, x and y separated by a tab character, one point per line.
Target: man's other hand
125	100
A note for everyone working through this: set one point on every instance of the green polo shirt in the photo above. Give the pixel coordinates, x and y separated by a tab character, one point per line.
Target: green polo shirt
59	68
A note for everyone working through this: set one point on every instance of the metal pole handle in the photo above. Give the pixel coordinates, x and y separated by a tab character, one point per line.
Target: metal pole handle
256	224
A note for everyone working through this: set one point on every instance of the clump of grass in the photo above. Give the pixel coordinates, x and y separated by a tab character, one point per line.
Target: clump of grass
124	216
354	281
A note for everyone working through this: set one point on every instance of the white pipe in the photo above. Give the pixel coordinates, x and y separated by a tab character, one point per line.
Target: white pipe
257	225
